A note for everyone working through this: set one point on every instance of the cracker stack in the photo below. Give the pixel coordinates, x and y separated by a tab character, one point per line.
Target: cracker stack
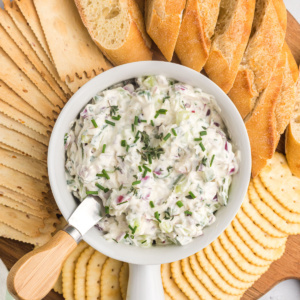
223	270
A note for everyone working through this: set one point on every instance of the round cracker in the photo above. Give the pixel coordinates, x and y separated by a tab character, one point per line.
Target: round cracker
268	199
240	245
222	270
68	271
193	280
257	234
270	215
280	182
259	220
181	281
209	269
239	259
123	279
169	284
207	282
109	284
80	273
231	265
265	253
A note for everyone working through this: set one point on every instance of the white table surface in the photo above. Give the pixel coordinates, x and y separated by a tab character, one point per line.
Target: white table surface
288	289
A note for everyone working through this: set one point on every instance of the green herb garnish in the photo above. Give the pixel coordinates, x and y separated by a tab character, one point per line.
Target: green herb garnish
113	110
94	123
101	187
152	123
140	168
179	203
117	118
212	160
105	174
202	146
192	195
174	131
167	136
123	143
136	182
106	208
91	192
151	204
156	215
110	123
132	229
136	120
103	148
188	213
202	133
122	202
160	112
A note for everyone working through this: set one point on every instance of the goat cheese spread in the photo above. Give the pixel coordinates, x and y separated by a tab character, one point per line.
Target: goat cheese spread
157	154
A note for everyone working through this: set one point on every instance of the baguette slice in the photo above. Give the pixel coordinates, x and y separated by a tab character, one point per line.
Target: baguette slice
261	124
194	39
229	42
261	55
163	20
292	138
117	28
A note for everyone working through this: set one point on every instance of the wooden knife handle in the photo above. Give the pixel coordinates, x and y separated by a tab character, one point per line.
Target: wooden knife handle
34	275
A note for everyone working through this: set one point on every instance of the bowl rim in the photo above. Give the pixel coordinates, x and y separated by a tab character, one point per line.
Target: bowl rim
152	255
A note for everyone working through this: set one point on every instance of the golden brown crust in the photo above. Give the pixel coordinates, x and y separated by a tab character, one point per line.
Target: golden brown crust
228	48
164	27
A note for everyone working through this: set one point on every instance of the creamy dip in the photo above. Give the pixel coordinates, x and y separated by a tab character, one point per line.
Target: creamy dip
157	153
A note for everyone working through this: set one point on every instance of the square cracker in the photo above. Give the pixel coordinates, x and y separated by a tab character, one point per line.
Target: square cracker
22	118
72	49
41	62
14	125
23	143
21	84
16	102
22	183
24	164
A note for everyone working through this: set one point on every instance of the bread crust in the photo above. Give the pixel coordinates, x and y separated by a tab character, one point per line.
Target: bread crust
228	48
164	24
133	49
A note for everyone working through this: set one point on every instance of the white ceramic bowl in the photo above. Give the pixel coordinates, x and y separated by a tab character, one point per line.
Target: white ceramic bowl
232	119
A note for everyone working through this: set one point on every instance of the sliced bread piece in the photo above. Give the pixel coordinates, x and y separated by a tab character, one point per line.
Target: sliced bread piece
229	41
261	55
292	138
194	39
163	20
117	27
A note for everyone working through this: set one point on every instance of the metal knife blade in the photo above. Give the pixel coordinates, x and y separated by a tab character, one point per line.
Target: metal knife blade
86	215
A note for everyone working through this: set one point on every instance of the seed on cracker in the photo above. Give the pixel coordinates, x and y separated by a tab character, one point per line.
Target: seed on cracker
280	182
222	270
110	287
277	207
123	279
169	284
194	281
215	276
207	282
182	282
80	273
93	275
68	271
258	234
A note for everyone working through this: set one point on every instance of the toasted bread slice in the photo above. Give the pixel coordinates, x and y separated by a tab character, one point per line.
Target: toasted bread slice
292	138
163	20
117	27
229	41
261	55
198	25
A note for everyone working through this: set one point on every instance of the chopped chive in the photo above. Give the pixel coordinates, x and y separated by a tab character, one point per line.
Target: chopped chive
192	195
126	236
135	140
136	182
143	242
122	202
204	127
146	168
156	215
105	174
132	229
156	115
202	146
160	112
136	120
121	186
144	121
144	174
167	137
151	204
100	175
212	160
94	123
100	186
115	241
132	127
179	203
92	192
140	169
152	123
110	123
117	118
174	131
188	213
123	143
127	148
106	210
202	133
198	139
103	148
150	159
